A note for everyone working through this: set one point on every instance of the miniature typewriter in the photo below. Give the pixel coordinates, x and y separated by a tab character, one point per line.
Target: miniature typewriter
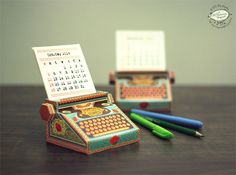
76	115
88	124
145	90
141	78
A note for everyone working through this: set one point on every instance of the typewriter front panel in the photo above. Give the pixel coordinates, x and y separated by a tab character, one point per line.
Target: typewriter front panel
62	133
103	125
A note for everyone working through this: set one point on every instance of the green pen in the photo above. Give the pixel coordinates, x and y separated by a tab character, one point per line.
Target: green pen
175	127
156	130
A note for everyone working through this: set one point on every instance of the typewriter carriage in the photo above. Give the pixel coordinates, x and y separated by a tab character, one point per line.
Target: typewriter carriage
113	75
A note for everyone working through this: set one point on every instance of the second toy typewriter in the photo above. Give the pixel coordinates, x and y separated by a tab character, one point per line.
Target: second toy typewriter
145	90
141	78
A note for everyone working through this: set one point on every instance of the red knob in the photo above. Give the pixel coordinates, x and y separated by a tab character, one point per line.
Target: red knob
114	140
144	105
46	111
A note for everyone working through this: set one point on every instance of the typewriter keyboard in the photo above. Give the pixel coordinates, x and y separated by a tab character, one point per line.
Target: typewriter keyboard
104	125
143	92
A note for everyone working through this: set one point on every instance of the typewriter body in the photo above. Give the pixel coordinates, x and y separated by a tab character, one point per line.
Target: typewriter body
141	78
146	90
88	124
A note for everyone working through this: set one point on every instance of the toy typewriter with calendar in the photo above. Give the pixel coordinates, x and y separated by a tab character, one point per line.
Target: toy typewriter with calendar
141	79
76	115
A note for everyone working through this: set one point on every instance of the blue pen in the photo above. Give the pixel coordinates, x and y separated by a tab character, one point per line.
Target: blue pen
170	118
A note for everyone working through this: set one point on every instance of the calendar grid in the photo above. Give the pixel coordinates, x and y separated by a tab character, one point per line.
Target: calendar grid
140	50
64	71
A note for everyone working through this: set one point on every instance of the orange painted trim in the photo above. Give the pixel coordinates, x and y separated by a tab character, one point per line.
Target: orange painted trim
169	91
52	109
170	95
54	103
83	97
117	90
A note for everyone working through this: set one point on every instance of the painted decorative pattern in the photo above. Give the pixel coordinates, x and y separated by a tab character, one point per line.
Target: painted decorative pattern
126	136
61	129
58	127
91	112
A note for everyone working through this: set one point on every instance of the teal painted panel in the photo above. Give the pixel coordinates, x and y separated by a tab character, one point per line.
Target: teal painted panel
165	105
103	142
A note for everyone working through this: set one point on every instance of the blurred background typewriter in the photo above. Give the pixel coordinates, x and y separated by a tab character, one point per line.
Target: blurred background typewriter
141	78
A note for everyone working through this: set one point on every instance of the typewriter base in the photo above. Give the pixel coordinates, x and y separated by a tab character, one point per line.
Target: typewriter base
87	145
145	105
86	150
78	149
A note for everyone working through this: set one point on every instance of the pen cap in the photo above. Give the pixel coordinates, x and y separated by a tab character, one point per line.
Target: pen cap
156	130
159	134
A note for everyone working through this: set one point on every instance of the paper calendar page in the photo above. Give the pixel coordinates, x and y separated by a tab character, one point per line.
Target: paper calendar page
64	71
140	50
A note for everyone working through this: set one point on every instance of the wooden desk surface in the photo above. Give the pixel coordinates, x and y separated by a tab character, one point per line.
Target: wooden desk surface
24	151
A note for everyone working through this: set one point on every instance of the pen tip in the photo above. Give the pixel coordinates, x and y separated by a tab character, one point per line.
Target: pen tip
199	134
